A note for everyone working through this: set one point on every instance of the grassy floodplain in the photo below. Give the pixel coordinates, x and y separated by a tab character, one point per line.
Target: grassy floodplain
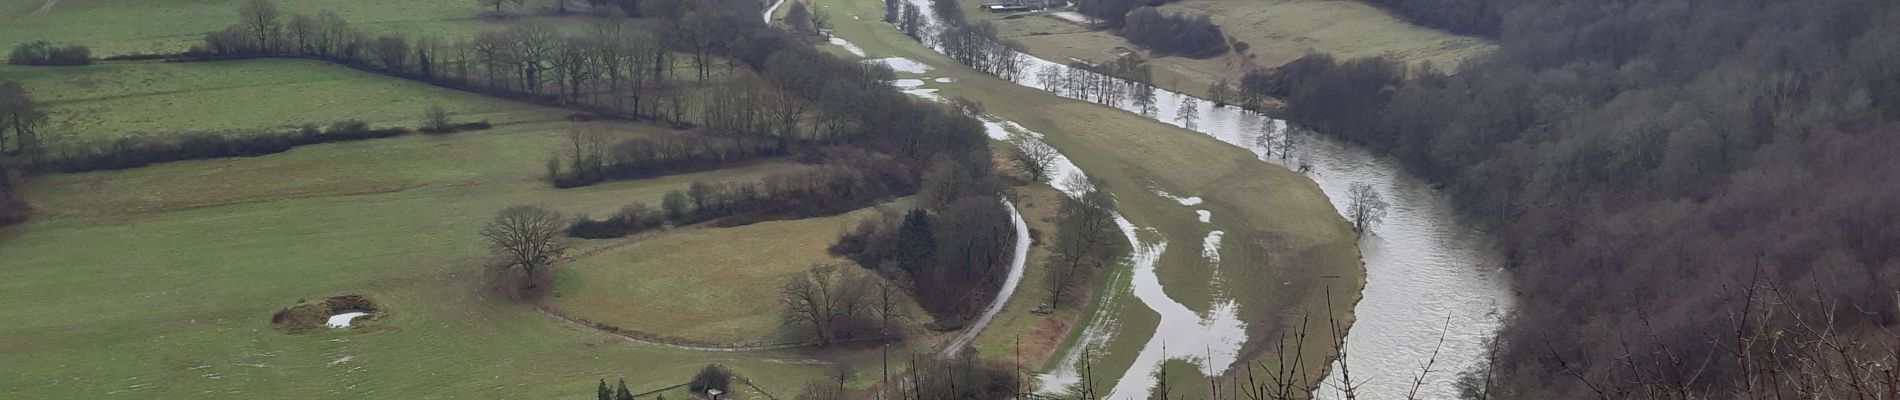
160	281
1282	236
117	27
712	285
111	100
1276	31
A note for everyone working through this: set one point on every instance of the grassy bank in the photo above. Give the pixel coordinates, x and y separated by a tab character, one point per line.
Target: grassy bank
117	27
1276	31
713	285
161	281
1279	227
117	99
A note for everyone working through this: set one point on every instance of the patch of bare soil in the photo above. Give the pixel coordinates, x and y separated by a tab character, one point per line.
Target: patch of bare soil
306	315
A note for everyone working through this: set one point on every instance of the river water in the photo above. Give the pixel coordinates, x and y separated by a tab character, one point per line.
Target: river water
1429	275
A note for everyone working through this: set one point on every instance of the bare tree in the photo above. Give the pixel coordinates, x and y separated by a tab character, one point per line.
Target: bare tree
808	300
1189	112
526	237
20	120
303	30
1033	157
1364	207
260	20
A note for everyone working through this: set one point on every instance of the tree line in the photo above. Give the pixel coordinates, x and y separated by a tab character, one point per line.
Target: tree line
610	68
1192	36
1464	17
20	121
1648	167
44	53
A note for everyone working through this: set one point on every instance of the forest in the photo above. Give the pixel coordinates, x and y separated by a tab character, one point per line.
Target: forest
1697	197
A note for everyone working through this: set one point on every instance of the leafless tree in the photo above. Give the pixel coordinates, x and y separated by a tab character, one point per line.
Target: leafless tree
1033	157
260	20
20	120
823	298
526	237
303	30
1189	113
1364	207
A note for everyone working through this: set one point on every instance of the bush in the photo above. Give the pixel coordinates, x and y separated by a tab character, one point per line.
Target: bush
1187	36
43	53
714	376
631	219
435	119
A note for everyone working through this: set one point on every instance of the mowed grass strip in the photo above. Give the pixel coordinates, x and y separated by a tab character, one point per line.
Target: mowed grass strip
704	284
119	99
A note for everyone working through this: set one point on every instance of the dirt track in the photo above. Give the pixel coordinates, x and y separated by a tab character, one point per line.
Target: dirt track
48	6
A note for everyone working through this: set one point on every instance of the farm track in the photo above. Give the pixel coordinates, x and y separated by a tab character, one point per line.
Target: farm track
48	6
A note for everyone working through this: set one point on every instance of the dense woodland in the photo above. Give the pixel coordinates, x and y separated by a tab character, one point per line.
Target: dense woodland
1698	197
1464	17
1192	36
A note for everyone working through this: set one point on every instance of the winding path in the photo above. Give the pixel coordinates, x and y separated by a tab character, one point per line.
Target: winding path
48	6
957	344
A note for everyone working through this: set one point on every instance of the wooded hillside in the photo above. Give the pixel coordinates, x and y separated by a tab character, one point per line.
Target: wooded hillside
1698	196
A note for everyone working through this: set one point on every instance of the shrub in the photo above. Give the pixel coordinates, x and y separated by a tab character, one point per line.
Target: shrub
714	376
44	53
631	219
1187	36
435	119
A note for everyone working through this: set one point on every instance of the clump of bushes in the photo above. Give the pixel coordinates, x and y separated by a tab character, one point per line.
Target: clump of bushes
634	218
134	152
45	53
435	119
1177	34
714	376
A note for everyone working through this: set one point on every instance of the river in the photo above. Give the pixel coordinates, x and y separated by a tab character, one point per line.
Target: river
1428	273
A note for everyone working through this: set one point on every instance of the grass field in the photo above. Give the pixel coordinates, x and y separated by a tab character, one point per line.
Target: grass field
159	282
115	27
1276	31
118	99
713	285
1279	227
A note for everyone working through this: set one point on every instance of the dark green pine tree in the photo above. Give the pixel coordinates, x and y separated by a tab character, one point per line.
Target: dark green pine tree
915	243
622	393
604	393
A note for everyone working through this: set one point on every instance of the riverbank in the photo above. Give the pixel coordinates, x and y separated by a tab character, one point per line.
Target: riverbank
1282	239
1274	32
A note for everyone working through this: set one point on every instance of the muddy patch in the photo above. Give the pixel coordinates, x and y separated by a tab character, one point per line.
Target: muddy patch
335	312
